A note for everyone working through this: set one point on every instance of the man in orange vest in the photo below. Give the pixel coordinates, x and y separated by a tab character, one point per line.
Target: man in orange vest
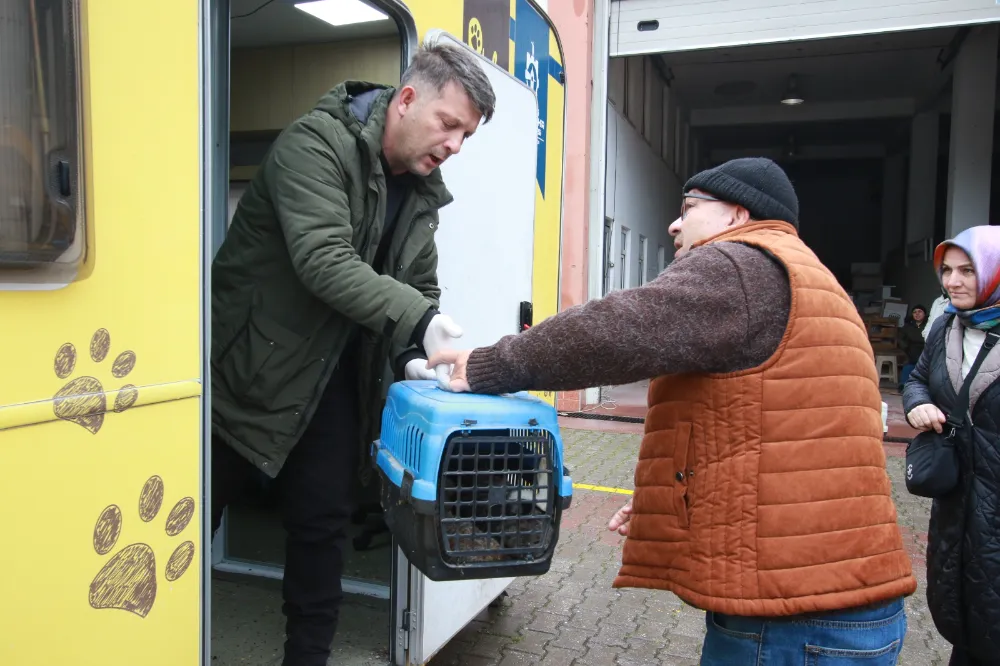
761	494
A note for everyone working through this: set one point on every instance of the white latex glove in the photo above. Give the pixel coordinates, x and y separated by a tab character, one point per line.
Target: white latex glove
438	337
417	369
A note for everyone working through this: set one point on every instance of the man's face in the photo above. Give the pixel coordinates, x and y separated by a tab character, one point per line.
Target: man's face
431	127
703	216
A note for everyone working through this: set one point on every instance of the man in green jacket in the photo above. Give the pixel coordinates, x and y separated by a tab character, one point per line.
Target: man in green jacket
328	274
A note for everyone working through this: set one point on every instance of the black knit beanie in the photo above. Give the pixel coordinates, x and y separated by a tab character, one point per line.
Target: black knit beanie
756	183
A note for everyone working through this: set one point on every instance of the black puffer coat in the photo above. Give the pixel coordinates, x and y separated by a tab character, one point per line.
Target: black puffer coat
963	541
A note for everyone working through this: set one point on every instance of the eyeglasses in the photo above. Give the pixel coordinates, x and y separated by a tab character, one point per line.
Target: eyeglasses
684	204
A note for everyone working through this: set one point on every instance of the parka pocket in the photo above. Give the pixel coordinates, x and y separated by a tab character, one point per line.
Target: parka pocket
268	365
683	473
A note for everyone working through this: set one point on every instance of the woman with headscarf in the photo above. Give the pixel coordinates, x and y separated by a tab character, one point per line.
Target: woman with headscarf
963	541
911	339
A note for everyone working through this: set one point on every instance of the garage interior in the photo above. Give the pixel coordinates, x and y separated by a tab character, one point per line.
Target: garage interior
887	137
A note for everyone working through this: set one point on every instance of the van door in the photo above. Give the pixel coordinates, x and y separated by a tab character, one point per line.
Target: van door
485	244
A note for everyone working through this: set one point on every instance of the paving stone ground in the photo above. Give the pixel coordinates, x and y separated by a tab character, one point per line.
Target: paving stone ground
572	615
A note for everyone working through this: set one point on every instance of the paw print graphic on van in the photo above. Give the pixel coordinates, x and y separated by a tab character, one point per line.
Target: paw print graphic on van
128	580
83	400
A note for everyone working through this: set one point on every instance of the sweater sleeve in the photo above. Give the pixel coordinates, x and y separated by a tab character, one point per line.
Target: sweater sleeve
696	316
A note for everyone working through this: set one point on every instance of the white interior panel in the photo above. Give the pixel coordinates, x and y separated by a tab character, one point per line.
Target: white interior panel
700	24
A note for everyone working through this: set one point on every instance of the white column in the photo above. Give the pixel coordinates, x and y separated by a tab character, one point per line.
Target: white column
598	144
972	107
922	187
893	197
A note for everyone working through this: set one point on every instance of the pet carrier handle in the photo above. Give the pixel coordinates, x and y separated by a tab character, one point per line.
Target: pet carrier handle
406	487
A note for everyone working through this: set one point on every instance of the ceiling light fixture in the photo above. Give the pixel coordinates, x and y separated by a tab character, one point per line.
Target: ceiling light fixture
792	96
341	12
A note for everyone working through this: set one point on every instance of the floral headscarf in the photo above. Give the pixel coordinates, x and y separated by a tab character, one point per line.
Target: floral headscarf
982	244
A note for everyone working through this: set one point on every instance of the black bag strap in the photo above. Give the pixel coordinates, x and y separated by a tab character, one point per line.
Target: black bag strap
962	403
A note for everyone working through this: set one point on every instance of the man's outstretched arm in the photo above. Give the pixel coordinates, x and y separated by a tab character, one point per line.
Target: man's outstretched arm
702	314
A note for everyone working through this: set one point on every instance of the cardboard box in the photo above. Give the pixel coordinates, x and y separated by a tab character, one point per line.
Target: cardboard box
897	310
865	299
866	283
866	269
878	320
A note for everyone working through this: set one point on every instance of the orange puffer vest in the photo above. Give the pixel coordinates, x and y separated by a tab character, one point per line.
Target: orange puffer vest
764	492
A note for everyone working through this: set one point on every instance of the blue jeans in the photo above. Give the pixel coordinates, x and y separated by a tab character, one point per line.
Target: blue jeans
859	637
904	374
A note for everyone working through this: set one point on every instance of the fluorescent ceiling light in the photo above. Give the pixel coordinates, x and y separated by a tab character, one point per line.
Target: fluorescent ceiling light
341	12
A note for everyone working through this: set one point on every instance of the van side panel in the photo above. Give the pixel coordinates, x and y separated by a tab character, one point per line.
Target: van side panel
100	391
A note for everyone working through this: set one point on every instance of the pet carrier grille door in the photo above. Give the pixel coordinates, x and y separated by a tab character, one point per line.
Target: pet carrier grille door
496	498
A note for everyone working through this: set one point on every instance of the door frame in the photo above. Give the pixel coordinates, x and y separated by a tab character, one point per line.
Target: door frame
214	92
607	246
213	105
213	99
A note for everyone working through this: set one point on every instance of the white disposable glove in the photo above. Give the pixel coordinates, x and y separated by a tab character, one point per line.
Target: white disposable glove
417	369
438	337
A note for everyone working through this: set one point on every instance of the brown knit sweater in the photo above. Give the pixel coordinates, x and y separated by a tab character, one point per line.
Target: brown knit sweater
720	308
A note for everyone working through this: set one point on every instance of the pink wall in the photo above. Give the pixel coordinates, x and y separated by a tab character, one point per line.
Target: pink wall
573	20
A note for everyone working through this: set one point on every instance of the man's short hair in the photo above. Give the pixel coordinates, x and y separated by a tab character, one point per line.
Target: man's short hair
438	64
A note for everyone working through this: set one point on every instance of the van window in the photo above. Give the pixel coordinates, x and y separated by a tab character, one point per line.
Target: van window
41	207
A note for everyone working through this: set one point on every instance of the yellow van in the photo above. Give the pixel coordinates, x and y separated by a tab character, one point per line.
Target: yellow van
127	131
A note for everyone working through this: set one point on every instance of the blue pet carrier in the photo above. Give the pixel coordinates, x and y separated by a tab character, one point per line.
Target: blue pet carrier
473	486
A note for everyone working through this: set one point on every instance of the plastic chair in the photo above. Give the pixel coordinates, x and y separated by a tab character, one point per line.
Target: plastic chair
892	374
